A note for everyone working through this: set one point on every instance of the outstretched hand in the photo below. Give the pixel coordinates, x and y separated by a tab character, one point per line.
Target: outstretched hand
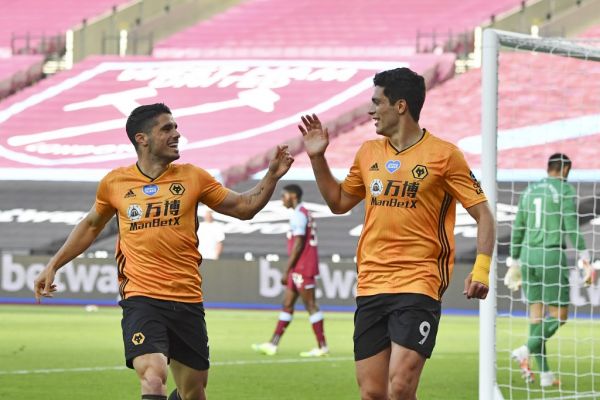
281	163
316	139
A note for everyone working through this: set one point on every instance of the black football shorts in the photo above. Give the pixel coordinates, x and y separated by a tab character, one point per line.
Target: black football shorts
176	329
408	319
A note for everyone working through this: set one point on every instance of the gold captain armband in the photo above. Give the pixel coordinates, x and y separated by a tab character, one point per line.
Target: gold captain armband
481	269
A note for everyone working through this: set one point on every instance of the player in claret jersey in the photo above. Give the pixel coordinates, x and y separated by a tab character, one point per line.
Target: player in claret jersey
155	202
299	277
410	181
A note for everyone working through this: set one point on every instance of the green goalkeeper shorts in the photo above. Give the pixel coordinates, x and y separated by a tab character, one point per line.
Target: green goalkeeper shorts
545	276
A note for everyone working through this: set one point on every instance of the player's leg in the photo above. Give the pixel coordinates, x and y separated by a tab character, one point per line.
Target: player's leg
413	326
405	370
191	383
557	316
286	315
372	346
309	298
372	375
188	349
556	296
146	344
152	372
535	342
532	264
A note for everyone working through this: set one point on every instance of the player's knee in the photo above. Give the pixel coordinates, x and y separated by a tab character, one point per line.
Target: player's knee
403	388
312	308
368	392
288	308
154	382
193	393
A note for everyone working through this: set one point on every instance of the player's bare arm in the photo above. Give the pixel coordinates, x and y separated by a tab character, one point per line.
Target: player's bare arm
299	242
477	282
316	140
246	205
80	238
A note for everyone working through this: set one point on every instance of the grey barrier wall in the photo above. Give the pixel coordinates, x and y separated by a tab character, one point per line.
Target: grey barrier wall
235	284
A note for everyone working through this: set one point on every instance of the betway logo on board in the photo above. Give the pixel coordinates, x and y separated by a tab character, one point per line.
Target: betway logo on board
74	277
215	102
335	283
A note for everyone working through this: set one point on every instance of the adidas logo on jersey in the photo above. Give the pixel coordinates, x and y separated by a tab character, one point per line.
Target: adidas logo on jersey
374	167
129	194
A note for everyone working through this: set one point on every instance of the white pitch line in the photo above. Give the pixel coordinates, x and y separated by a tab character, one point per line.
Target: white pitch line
573	396
216	363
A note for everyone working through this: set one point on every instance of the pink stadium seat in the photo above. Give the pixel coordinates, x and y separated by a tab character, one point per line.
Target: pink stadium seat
533	90
269	27
37	18
19	71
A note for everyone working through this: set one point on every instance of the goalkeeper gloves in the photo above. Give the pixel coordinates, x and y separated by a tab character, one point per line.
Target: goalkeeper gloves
588	269
513	278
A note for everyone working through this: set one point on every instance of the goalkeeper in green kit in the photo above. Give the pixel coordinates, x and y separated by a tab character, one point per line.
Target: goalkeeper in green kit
546	216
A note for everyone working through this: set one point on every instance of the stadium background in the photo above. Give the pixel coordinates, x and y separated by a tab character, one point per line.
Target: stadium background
237	74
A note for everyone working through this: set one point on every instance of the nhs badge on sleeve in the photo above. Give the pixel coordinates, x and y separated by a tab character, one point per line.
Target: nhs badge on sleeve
150	190
392	166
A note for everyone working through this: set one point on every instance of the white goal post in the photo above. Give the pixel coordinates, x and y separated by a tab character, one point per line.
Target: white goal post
493	40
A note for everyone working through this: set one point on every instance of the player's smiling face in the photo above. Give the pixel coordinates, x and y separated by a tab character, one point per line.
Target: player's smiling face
385	115
163	141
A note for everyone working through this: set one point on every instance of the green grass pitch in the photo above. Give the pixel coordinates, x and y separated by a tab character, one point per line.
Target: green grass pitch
68	353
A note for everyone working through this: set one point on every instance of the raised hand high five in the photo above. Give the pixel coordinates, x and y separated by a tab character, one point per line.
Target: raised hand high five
316	139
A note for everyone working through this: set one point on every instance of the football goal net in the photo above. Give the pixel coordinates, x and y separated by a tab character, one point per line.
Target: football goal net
541	97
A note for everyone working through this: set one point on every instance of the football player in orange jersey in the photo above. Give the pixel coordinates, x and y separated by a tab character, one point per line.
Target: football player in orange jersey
410	181
156	203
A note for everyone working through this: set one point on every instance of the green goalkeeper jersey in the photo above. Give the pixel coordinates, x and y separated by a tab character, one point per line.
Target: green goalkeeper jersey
546	215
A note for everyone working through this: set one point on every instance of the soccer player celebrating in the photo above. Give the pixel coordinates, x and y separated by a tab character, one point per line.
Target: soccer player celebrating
410	181
299	278
155	202
545	215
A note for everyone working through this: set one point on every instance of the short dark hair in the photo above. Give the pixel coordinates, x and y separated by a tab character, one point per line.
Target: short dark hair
293	188
143	118
405	84
557	161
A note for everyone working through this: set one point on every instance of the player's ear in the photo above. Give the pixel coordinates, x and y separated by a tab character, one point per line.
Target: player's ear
401	106
141	139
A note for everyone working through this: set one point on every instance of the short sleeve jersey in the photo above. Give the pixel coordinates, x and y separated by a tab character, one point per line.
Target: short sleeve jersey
407	241
302	224
157	248
547	213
